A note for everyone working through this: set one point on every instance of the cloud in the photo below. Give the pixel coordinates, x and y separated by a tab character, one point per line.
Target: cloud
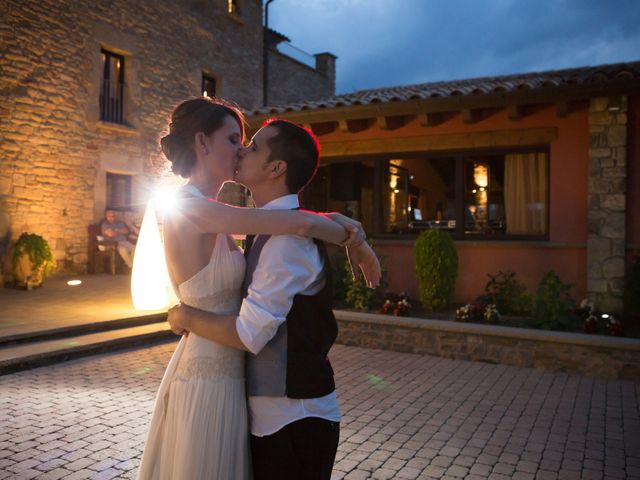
389	42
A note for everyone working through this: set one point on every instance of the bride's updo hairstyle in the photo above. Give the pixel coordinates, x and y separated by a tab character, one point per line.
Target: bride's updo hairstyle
203	114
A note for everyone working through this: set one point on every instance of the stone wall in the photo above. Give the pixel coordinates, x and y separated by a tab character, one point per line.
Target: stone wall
592	355
290	81
54	151
606	242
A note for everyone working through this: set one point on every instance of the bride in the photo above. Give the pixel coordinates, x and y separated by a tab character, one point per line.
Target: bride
199	425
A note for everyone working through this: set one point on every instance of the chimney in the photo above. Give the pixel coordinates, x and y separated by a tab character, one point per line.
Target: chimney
326	65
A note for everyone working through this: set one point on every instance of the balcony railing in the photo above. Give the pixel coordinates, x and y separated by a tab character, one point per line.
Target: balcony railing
112	102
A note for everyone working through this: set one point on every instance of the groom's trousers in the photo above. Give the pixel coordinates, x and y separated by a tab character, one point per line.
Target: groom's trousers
302	450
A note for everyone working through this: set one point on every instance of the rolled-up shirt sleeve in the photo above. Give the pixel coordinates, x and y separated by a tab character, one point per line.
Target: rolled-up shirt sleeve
288	265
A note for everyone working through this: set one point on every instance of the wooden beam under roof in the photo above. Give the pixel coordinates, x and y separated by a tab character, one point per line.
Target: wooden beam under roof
430	119
515	111
562	108
447	142
383	122
470	115
353	126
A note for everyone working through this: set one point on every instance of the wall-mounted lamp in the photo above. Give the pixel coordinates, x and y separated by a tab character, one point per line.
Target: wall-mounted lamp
614	104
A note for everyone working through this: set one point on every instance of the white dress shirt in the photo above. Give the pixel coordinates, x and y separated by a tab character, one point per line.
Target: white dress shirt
288	265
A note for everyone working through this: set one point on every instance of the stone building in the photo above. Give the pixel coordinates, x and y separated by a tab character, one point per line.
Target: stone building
86	89
528	172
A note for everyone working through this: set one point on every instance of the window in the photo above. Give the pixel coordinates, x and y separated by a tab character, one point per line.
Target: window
233	8
112	88
489	195
118	191
208	86
476	195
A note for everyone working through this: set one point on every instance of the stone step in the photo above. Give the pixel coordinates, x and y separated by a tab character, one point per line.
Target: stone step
37	335
36	353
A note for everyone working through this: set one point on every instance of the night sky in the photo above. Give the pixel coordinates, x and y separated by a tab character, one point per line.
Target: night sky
382	43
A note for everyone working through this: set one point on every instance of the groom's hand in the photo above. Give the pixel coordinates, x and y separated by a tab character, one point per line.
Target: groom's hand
353	228
178	319
363	259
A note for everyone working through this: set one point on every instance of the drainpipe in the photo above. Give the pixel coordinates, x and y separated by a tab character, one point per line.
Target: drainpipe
265	53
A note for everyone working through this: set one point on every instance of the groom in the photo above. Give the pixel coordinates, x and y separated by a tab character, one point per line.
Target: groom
285	322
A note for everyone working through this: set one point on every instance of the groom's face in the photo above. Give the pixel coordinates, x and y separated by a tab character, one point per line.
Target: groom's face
253	160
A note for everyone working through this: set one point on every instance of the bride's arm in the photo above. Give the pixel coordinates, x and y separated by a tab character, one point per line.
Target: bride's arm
208	216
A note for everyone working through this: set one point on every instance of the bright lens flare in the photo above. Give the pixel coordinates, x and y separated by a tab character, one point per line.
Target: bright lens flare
165	200
150	285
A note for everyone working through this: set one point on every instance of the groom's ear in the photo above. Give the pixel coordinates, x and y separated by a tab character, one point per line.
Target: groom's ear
277	168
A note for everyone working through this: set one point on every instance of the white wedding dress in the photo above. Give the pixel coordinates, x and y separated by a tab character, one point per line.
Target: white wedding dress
199	426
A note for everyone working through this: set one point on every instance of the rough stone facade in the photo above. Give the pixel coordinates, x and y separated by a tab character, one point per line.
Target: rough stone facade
607	202
592	355
291	81
55	152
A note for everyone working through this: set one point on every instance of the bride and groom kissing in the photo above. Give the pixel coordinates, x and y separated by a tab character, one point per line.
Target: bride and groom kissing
249	390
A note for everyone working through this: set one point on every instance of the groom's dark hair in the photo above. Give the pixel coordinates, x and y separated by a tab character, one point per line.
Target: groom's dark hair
299	148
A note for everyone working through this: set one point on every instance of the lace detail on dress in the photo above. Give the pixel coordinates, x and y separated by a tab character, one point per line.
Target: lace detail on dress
226	301
208	368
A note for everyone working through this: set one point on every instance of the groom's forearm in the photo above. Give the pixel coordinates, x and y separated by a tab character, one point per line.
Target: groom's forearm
217	328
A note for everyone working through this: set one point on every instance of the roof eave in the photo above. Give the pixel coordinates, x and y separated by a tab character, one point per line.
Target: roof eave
417	106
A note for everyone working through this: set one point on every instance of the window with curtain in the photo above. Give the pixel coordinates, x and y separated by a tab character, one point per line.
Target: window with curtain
471	195
526	191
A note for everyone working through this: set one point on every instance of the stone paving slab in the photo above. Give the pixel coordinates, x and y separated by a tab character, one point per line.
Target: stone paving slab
100	297
405	416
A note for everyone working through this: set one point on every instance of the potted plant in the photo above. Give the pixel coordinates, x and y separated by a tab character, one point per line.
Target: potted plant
32	260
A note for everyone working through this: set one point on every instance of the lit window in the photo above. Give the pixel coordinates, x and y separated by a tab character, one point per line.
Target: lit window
208	86
485	195
232	7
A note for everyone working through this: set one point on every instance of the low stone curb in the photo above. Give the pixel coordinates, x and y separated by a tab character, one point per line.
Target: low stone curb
592	355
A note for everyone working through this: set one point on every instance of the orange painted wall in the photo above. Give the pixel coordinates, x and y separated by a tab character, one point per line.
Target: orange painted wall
565	252
476	261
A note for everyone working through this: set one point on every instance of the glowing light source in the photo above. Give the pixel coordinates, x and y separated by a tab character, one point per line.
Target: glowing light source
165	199
480	174
73	283
150	285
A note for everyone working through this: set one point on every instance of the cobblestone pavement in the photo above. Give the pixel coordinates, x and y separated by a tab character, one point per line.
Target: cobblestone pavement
405	416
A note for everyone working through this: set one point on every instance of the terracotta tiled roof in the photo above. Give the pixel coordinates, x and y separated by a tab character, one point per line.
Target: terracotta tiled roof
507	83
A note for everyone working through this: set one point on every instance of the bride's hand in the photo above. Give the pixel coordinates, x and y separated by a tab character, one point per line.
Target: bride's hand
363	259
176	316
352	227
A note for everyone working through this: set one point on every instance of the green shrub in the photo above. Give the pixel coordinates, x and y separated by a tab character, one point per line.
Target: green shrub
507	293
553	307
436	268
632	288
